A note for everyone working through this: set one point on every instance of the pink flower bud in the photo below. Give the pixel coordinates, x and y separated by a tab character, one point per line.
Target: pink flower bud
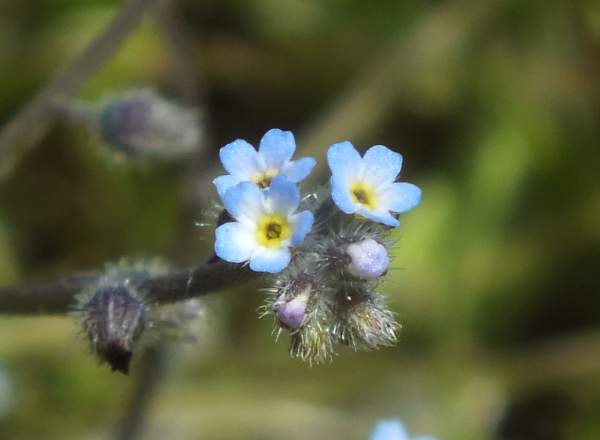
369	259
292	314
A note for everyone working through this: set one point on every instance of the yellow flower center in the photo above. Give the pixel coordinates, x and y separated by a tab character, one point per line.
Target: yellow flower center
363	194
263	179
273	230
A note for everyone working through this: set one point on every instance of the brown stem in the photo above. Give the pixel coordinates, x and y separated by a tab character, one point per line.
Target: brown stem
58	296
153	366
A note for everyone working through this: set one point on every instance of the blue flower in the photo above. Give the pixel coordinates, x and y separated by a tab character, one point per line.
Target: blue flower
245	164
266	225
366	185
392	430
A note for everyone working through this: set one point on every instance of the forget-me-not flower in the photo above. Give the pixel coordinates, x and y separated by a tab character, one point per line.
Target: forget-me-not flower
366	185
266	225
392	430
273	158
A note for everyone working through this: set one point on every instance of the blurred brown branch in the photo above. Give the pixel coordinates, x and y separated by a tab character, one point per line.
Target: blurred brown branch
58	296
153	367
26	129
185	75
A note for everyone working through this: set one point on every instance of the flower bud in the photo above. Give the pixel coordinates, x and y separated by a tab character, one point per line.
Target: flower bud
141	122
368	259
292	313
113	319
366	322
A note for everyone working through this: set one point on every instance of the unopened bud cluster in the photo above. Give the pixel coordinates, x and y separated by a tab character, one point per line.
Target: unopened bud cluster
328	294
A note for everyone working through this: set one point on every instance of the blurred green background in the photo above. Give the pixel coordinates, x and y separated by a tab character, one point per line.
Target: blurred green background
495	106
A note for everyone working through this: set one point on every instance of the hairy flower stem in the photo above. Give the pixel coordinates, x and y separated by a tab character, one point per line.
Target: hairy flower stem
58	296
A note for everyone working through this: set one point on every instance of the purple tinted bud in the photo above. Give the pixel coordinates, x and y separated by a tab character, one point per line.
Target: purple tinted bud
141	122
123	121
369	259
292	313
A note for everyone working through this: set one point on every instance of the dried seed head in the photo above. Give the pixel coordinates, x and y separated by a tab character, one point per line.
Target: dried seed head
113	319
113	312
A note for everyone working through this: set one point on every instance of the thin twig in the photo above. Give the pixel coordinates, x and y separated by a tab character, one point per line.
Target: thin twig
153	366
187	79
26	129
58	296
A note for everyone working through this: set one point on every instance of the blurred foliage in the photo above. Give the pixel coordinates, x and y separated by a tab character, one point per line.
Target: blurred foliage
496	268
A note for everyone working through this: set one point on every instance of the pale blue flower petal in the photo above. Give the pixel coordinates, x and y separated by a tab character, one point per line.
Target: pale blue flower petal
223	183
380	216
389	430
244	201
402	196
282	196
344	160
341	195
378	169
234	243
302	224
240	159
297	170
381	165
268	260
277	147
